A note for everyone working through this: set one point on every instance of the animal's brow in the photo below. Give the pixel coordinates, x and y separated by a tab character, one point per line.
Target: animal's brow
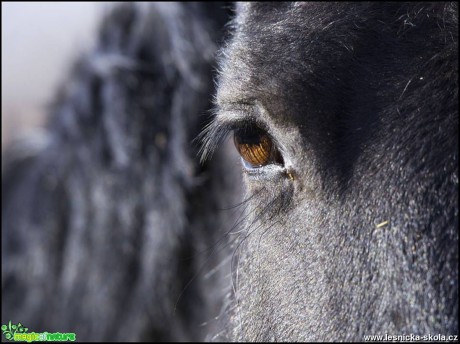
244	110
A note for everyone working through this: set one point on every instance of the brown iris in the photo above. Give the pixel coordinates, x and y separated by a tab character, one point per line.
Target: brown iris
255	147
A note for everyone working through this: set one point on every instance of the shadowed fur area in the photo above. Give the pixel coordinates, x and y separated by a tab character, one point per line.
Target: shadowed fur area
131	217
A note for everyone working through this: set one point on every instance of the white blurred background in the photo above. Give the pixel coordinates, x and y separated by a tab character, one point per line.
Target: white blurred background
40	41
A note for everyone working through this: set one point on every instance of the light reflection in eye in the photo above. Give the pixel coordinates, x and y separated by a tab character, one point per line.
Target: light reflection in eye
256	147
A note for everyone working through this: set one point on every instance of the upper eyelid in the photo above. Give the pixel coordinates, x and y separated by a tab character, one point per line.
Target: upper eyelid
220	127
217	131
230	116
248	111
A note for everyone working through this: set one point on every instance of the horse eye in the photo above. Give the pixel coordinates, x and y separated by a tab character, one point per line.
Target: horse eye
256	147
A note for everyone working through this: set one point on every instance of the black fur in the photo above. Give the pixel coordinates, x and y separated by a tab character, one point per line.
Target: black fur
362	100
112	228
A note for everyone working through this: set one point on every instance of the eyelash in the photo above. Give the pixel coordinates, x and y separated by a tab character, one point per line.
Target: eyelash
254	144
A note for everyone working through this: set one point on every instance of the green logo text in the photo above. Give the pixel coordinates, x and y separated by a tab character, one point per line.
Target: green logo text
19	333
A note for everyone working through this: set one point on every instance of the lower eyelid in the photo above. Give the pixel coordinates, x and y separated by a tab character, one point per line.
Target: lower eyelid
267	172
248	166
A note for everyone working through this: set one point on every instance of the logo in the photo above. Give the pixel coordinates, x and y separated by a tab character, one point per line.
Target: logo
19	333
